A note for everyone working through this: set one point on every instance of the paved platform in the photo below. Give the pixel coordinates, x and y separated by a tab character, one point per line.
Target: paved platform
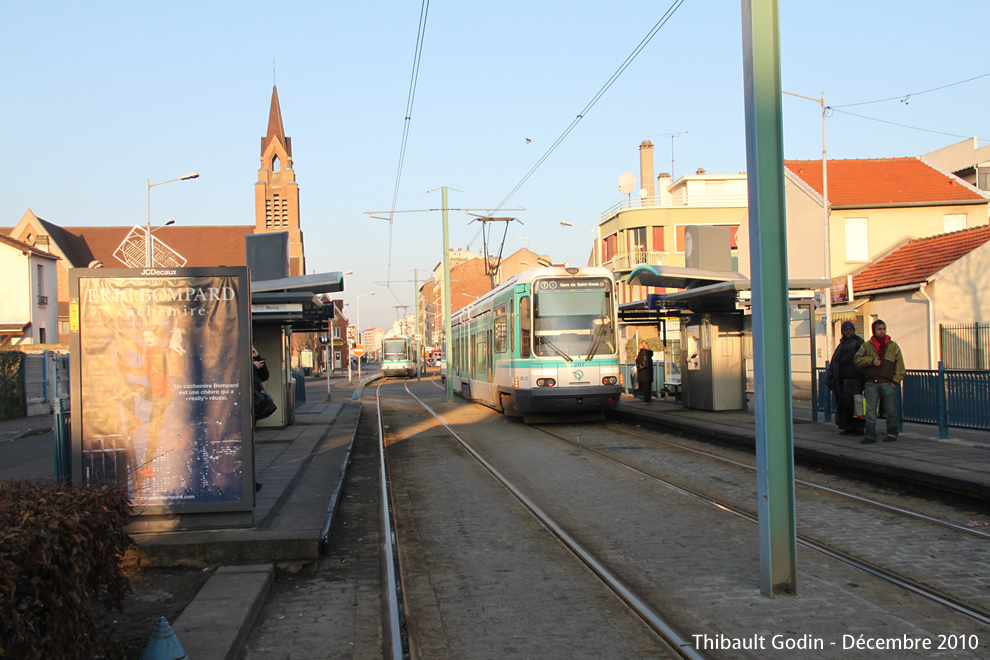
959	464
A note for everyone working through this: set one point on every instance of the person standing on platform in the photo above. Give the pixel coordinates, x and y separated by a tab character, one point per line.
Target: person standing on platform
882	363
845	379
644	371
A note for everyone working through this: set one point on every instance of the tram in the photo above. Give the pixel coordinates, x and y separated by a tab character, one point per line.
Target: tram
540	345
398	356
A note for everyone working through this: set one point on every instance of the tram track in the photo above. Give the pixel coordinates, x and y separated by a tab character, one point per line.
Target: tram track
675	644
505	437
916	586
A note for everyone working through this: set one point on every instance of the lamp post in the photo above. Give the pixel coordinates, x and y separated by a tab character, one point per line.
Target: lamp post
594	234
829	335
358	333
147	237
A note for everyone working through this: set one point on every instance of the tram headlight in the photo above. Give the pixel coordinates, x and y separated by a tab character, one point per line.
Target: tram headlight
609	380
545	382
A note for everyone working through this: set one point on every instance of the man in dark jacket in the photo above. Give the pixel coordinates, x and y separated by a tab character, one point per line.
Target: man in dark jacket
644	371
882	363
845	379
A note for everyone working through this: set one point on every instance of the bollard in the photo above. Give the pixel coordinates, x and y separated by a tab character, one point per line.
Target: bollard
163	645
63	439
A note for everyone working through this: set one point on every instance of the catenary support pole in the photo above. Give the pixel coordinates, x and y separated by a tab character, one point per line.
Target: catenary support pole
448	339
771	330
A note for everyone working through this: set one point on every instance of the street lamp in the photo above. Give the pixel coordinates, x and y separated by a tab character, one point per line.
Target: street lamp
829	335
359	334
147	248
594	234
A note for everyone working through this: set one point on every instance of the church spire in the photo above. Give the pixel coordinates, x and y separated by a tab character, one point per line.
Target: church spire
275	129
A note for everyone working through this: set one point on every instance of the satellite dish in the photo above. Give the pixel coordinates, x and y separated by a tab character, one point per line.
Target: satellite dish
627	182
643	193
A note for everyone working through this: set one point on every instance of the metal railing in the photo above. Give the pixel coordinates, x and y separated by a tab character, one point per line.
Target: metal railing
938	397
701	201
965	346
629	260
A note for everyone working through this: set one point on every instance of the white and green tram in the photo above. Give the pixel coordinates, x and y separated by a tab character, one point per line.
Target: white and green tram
540	345
398	356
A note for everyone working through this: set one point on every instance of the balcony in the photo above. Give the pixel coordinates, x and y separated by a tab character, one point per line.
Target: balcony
624	261
678	201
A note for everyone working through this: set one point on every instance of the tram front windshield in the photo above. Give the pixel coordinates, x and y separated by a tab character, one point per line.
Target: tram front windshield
395	350
572	318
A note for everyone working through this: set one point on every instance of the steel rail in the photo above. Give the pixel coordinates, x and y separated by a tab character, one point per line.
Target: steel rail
678	642
393	587
917	588
811	484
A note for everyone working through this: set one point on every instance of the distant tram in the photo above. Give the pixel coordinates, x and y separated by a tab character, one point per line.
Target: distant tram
541	344
398	356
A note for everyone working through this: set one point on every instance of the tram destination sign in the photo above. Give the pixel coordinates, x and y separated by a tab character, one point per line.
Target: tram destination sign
571	284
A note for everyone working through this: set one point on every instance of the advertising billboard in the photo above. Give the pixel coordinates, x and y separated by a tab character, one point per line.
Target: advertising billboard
161	386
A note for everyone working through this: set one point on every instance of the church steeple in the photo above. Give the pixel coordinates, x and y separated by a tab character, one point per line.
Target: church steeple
275	129
276	193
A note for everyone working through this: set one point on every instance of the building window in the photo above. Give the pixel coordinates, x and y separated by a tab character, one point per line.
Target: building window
637	245
857	239
41	280
658	239
42	336
336	332
954	222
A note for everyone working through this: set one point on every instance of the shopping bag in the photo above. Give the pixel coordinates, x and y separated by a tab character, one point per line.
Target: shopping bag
859	406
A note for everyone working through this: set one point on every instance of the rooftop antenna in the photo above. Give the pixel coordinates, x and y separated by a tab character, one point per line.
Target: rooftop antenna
672	136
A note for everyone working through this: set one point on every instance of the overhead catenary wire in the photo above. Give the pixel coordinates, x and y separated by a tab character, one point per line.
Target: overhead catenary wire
892	123
905	97
591	104
410	100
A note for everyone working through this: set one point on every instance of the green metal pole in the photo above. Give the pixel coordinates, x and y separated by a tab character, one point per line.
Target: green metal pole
448	338
771	318
419	351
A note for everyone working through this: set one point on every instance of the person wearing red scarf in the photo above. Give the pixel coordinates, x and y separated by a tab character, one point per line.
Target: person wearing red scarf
882	363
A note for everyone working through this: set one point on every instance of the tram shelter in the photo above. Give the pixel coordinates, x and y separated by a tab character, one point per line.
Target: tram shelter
281	305
713	312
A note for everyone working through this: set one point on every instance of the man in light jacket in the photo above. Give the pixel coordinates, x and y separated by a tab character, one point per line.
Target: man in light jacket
882	363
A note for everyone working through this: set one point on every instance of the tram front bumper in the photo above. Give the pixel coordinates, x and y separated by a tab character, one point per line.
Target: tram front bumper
552	399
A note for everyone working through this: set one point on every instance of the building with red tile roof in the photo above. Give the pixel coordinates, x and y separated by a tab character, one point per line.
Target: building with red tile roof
923	285
879	182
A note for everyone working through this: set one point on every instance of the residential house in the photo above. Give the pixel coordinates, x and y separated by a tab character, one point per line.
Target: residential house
966	160
29	306
925	291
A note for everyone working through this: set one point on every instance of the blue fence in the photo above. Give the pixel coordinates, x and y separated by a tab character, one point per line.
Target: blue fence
945	398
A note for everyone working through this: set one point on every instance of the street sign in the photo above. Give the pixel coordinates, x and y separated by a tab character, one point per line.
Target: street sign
358	350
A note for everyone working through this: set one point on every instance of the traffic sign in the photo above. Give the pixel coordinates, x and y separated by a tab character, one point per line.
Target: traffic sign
358	350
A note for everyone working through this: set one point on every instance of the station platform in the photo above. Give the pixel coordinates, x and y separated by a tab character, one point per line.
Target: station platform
959	464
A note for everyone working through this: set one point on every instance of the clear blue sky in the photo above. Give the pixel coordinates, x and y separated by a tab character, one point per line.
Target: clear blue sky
101	96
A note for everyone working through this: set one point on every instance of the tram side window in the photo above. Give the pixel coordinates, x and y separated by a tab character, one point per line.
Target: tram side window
500	329
525	327
511	330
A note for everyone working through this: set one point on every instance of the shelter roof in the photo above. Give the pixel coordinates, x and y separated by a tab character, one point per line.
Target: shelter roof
883	181
920	260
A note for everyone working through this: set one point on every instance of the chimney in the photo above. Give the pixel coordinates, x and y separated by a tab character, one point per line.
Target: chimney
646	173
701	170
663	183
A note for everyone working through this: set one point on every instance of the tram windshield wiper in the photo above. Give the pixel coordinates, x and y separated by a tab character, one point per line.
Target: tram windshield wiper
554	348
598	336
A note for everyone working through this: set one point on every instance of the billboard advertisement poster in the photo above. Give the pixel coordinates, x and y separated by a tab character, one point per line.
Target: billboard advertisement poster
161	386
